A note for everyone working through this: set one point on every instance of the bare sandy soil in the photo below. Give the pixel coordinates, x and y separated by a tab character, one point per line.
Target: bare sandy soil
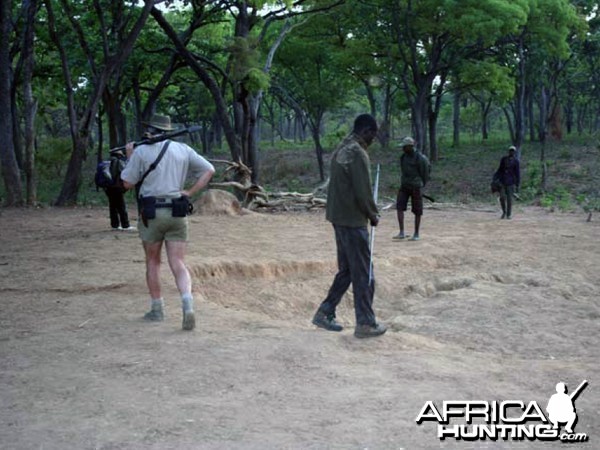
479	309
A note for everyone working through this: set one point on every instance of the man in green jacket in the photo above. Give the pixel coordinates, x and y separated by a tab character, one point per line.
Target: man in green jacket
415	169
350	208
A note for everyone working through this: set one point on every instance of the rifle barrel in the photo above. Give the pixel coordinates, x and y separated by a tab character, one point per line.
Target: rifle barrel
579	389
159	138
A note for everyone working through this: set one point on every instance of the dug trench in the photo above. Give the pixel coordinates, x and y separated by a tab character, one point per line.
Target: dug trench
478	309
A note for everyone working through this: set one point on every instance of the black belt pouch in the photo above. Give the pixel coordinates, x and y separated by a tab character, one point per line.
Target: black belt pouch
148	207
181	206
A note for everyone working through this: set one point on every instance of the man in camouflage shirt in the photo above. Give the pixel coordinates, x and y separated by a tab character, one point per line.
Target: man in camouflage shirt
415	169
350	208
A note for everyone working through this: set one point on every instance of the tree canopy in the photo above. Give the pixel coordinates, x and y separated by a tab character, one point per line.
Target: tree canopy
89	72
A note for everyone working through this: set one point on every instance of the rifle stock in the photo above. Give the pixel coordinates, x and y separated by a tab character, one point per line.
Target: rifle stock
159	138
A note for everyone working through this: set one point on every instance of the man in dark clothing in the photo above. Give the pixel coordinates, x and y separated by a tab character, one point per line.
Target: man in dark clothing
509	175
350	207
119	219
415	169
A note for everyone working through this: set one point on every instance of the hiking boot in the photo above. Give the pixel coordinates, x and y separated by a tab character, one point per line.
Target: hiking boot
399	236
415	238
327	322
189	321
154	315
503	216
367	331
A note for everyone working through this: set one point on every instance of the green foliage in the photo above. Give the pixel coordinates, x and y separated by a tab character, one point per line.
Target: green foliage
246	66
589	203
559	198
487	78
52	157
256	80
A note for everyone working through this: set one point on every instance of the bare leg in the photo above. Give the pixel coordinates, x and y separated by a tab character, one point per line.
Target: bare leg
176	256
400	215
417	225
153	250
569	427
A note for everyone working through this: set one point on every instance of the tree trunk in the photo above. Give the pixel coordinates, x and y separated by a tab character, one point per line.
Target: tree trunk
81	126
30	104
433	114
370	97
509	123
542	135
531	115
100	138
456	120
384	134
8	161
252	136
485	114
520	101
112	109
315	129
17	141
581	113
208	81
419	120
432	128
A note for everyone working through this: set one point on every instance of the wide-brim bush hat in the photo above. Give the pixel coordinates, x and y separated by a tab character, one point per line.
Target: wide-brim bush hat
160	122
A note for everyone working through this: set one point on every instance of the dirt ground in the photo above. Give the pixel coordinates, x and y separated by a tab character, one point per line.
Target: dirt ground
479	309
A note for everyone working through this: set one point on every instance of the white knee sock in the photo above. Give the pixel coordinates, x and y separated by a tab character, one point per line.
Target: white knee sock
157	304
187	302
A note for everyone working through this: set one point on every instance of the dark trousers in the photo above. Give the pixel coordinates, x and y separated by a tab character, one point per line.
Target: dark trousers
353	267
117	207
506	197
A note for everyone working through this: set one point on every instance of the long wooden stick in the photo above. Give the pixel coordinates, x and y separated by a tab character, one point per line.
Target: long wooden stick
375	195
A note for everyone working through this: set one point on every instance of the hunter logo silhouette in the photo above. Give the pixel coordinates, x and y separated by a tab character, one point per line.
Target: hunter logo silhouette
561	406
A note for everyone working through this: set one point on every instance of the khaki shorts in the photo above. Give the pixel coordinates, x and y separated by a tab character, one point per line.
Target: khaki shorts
164	227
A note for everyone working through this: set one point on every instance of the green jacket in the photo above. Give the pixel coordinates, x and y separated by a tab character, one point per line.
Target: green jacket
415	169
350	195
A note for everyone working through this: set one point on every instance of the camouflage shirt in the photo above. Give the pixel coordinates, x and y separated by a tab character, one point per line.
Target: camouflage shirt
415	169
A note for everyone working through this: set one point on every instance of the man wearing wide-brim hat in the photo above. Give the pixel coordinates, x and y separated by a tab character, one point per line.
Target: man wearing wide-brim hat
164	211
158	122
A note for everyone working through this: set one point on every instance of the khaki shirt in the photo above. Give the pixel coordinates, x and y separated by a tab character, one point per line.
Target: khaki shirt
169	177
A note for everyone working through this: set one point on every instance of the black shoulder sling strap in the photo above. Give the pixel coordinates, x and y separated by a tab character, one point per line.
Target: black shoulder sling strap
138	185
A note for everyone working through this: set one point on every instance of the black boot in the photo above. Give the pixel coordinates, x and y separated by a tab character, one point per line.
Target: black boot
326	321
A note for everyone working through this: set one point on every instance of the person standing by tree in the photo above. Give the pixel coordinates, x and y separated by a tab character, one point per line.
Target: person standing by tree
350	207
415	170
163	198
119	219
509	175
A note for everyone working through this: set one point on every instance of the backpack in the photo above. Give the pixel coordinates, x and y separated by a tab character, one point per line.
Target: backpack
117	164
108	173
103	178
496	184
